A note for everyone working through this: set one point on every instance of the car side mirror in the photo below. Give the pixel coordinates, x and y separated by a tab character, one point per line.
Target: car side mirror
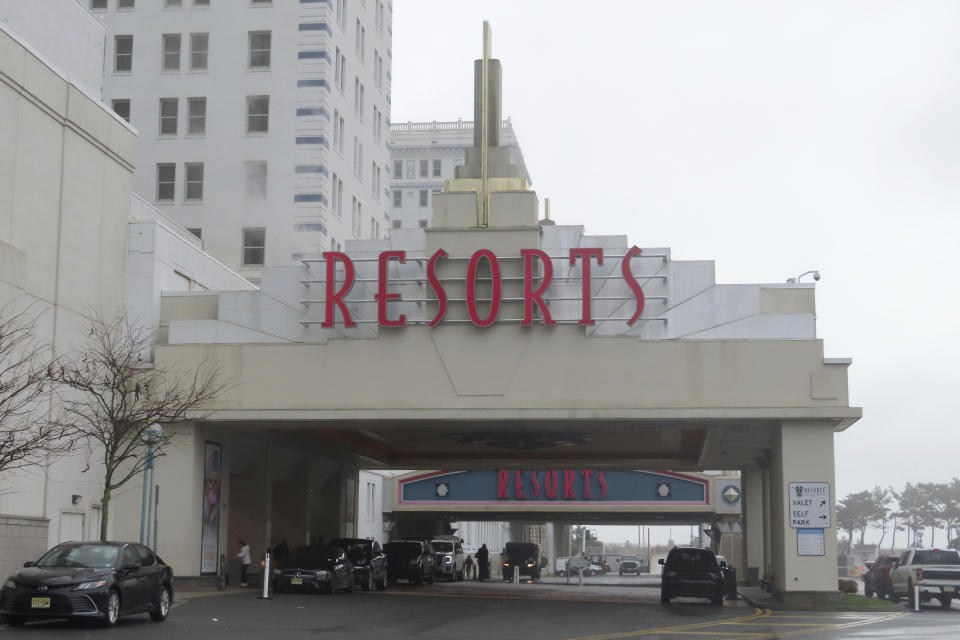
660	561
29	563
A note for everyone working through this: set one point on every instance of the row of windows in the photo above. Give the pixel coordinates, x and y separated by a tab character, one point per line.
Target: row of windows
101	5
423	224
171	46
423	197
255	179
258	114
425	168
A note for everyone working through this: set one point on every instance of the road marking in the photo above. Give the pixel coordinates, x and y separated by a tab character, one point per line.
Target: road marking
687	629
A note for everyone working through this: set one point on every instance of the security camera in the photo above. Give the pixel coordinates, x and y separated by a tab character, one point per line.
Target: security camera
816	275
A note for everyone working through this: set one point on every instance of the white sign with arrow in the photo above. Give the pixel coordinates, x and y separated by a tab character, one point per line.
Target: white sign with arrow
810	505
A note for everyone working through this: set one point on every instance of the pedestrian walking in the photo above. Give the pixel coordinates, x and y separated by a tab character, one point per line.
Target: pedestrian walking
244	556
483	562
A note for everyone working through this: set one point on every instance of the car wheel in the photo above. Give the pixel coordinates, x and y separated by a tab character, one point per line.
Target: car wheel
162	608
664	597
332	586
911	600
621	572
350	583
368	583
867	590
945	601
382	583
112	612
717	600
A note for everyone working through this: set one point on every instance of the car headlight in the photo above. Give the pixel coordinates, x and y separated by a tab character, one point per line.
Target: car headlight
278	572
530	564
83	586
447	559
320	574
9	584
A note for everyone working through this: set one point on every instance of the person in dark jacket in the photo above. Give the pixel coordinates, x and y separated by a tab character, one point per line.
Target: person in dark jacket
281	551
483	562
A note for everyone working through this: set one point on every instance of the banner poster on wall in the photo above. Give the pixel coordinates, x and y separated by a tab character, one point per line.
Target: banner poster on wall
210	535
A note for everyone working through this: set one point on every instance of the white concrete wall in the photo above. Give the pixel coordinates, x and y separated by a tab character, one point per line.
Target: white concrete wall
67	35
226	208
66	166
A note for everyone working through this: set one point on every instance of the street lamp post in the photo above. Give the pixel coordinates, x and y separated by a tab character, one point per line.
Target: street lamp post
151	435
812	272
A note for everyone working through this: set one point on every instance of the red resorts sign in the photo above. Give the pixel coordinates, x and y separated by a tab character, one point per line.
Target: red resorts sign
534	289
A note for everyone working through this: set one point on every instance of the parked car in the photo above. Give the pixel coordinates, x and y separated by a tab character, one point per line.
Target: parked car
409	559
630	564
936	573
876	580
99	580
317	568
449	558
369	563
691	571
524	556
574	565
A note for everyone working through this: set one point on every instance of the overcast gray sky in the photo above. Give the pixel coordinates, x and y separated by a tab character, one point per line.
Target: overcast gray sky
771	137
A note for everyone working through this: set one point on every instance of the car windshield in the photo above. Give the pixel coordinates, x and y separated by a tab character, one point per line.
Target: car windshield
408	548
90	556
629	559
694	559
577	562
440	545
936	556
357	550
310	557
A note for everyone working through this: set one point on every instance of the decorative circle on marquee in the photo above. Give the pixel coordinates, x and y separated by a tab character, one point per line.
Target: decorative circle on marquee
663	489
730	494
443	489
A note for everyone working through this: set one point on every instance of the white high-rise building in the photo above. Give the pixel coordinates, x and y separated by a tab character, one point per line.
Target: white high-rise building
423	155
263	123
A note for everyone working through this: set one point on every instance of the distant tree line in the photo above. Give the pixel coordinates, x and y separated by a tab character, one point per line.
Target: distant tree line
914	510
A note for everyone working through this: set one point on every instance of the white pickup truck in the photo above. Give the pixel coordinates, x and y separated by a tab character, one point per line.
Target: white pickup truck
450	557
935	571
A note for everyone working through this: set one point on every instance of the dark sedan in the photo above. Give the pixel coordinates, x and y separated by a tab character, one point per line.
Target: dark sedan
369	563
691	571
410	559
99	580
317	568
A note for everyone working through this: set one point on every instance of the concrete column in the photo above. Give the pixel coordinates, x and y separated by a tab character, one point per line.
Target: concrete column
307	500
349	497
267	500
751	505
803	452
767	567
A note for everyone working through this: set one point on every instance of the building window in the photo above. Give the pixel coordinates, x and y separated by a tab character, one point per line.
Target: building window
341	12
171	52
258	114
422	223
424	168
353	216
436	168
168	116
196	116
336	196
254	246
125	4
197	231
256	174
173	3
337	132
397	169
98	5
199	49
423	197
397	198
260	2
166	181
121	108
396	224
201	3
193	189
259	42
123	53
410	169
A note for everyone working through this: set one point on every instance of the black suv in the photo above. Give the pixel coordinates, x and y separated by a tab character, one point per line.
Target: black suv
410	559
691	571
522	555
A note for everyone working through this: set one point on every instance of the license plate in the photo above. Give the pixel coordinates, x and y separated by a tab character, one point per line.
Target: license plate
296	580
40	603
948	589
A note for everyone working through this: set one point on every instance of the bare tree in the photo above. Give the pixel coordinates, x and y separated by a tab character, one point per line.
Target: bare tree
29	429
117	396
